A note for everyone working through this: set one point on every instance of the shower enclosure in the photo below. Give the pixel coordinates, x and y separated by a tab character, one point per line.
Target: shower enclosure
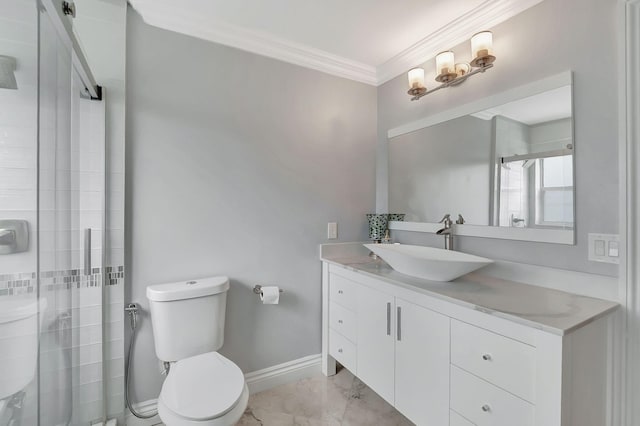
55	266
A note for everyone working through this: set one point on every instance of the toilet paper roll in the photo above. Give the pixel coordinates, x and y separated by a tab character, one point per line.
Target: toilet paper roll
270	295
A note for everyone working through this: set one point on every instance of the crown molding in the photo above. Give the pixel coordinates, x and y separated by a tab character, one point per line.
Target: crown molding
485	16
175	18
260	43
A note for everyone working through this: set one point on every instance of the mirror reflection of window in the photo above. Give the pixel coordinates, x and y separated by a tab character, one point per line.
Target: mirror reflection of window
533	146
554	191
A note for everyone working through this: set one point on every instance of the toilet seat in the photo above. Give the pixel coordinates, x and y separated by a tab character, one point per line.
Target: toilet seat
203	388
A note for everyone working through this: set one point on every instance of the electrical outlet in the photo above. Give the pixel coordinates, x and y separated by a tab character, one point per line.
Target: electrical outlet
332	230
604	248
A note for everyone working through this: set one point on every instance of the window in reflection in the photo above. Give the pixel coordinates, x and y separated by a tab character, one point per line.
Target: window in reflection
554	178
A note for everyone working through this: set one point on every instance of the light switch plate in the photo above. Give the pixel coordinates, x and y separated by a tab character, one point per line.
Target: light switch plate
332	230
604	248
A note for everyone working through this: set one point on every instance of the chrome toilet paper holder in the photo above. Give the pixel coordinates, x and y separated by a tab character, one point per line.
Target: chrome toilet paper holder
258	289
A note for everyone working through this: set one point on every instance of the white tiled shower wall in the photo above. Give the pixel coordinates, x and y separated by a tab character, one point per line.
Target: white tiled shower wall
18	129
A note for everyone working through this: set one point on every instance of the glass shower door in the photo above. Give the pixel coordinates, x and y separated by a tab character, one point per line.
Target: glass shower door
71	208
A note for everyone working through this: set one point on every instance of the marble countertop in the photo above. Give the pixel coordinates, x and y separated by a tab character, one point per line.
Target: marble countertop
553	311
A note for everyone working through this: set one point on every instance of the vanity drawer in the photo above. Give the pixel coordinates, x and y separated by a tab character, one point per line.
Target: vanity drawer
342	350
456	419
343	292
500	360
487	405
343	321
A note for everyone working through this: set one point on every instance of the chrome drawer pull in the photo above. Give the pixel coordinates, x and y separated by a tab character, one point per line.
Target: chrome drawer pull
486	357
399	324
388	319
486	408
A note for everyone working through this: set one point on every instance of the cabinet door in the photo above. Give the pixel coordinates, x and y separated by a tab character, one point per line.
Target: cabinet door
422	364
375	335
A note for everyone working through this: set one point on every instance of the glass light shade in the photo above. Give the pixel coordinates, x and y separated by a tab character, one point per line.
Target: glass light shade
416	78
445	62
482	44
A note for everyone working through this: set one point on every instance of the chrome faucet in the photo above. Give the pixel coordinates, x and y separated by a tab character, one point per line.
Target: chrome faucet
447	232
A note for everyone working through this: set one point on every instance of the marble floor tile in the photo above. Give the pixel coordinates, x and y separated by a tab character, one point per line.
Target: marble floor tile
321	401
365	407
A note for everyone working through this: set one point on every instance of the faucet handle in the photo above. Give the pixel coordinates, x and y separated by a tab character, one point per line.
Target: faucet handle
446	218
460	220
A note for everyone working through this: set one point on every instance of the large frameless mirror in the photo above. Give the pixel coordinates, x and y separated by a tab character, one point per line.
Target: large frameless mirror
506	162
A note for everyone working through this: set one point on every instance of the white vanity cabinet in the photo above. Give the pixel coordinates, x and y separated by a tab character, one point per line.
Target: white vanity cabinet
422	364
376	341
402	349
443	363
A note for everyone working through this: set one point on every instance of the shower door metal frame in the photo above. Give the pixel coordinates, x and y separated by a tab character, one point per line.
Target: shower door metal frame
63	26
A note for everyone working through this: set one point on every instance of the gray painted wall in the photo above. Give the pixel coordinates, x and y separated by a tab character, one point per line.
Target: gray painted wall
235	164
552	37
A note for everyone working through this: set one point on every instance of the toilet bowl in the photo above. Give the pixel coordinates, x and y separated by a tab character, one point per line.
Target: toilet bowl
203	387
206	389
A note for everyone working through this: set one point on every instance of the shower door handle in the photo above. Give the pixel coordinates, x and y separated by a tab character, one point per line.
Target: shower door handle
87	251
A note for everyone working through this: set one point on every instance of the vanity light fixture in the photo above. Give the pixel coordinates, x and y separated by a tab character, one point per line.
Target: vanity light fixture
451	73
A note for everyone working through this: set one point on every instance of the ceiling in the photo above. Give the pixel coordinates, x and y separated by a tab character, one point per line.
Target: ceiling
365	40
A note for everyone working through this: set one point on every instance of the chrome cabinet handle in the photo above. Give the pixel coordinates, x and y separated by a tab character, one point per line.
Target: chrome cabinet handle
486	408
388	319
340	350
486	357
340	292
339	321
399	324
87	251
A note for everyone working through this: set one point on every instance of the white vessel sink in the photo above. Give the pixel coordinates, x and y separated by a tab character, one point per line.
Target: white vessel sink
428	262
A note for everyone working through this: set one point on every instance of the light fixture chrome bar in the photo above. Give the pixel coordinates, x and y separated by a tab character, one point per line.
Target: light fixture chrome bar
537	155
56	11
454	82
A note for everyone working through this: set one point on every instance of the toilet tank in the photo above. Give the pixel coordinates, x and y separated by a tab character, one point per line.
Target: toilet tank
188	317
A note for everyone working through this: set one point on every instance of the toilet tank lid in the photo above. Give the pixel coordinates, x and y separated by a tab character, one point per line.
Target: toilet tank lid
188	289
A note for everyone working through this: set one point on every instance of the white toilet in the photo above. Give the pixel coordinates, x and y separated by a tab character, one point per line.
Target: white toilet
203	387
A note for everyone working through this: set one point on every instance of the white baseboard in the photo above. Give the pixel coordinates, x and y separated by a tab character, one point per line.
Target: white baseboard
281	374
257	381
